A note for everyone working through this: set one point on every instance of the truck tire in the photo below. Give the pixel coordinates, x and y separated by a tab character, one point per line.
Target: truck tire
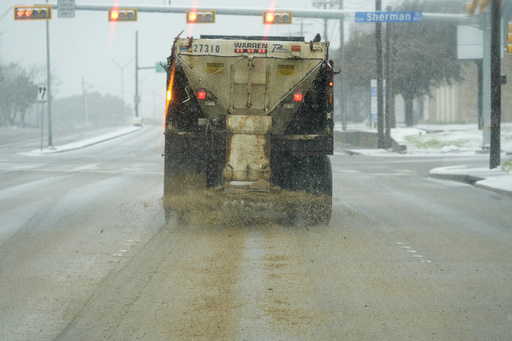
181	175
311	175
319	183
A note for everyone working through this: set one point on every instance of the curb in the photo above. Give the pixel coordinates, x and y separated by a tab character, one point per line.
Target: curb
88	142
481	184
463	175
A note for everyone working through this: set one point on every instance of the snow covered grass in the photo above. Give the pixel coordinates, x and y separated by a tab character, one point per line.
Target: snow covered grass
448	141
437	141
449	138
507	166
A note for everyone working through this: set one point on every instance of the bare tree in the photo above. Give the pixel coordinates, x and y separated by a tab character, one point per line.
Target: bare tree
17	94
424	56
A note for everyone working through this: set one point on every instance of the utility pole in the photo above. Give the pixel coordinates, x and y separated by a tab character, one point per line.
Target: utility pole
50	139
390	98
343	97
323	4
137	68
486	77
494	160
121	68
380	87
325	23
84	103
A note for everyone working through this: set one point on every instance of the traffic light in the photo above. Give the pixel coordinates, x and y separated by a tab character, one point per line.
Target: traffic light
509	38
32	12
470	7
122	14
277	17
474	5
483	4
200	17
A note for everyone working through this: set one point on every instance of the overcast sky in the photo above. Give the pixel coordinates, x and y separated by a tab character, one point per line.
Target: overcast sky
91	49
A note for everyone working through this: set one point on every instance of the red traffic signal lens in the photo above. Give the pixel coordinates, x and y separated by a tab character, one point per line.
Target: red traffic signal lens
114	15
192	17
200	16
297	96
269	18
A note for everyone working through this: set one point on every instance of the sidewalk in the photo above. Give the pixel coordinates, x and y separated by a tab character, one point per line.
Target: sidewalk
495	180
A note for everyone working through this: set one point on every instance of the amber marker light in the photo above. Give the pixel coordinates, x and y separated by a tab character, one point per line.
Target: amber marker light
297	96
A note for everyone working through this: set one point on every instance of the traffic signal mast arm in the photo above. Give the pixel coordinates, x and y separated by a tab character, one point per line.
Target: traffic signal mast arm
297	13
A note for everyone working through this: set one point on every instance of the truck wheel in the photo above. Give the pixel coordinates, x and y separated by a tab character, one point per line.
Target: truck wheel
314	176
182	175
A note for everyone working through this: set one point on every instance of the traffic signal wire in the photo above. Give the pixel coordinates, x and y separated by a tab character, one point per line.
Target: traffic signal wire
5	13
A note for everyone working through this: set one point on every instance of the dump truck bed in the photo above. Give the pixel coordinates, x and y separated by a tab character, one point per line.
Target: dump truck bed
250	76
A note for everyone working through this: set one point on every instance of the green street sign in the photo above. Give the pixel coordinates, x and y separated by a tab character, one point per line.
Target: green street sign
159	68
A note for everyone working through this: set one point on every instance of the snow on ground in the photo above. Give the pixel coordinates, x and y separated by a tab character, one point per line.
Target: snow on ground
437	138
449	138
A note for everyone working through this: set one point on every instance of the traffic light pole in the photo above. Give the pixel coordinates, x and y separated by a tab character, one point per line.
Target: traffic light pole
389	110
343	95
486	79
50	138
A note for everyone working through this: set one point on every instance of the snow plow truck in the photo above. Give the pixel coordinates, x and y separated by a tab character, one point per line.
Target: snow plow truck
248	128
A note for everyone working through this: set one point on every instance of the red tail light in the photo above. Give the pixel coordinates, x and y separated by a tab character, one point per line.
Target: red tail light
201	94
297	96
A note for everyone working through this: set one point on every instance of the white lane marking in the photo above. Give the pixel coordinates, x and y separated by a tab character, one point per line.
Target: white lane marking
121	252
412	252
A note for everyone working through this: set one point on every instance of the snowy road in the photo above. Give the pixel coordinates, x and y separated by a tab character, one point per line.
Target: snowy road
85	254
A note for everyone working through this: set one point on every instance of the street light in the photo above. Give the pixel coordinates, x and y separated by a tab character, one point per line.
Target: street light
122	80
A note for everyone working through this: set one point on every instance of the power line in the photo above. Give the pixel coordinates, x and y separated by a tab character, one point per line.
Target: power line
5	13
359	4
